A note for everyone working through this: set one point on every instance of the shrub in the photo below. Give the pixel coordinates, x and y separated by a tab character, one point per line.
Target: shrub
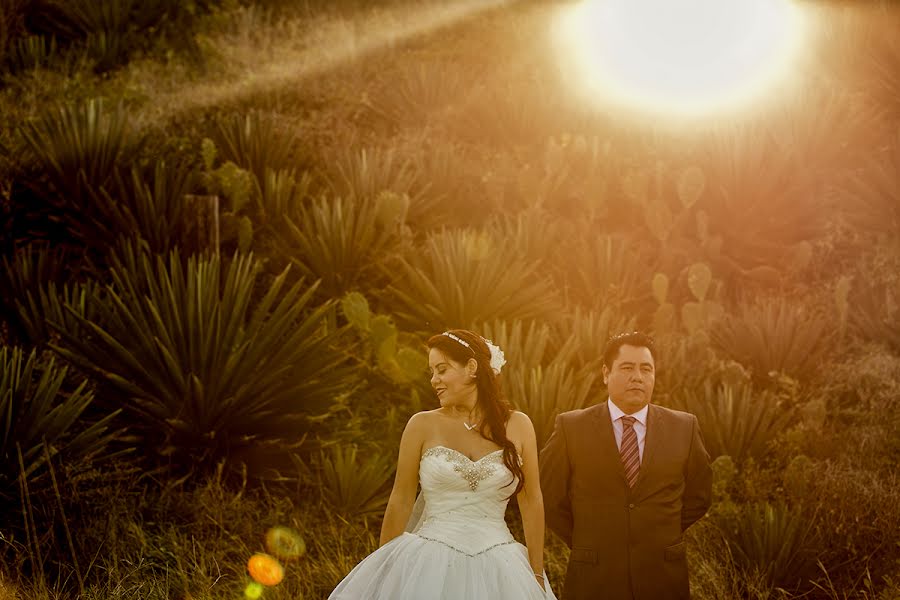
461	278
777	336
42	419
355	484
79	140
367	172
735	420
343	243
606	271
772	540
255	142
542	392
21	280
204	371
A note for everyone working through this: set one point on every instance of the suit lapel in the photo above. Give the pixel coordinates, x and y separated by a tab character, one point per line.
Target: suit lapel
607	439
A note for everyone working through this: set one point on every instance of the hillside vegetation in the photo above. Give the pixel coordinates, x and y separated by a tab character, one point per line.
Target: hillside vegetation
228	227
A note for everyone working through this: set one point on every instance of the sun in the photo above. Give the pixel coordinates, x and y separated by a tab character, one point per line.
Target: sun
690	57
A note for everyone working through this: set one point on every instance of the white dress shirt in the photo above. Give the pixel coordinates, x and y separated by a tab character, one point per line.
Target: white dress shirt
640	425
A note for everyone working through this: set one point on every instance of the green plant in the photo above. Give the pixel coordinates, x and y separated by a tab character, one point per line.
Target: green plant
149	209
255	142
759	209
774	540
367	172
870	198
778	336
523	344
35	288
78	147
394	356
735	420
205	370
345	242
66	304
281	194
413	96
30	52
605	270
583	334
355	484
460	278
42	419
542	392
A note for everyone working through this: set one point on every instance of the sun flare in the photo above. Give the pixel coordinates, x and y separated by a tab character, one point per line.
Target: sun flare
689	57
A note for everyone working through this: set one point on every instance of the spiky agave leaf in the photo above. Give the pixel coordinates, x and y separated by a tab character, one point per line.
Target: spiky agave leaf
460	278
36	410
203	367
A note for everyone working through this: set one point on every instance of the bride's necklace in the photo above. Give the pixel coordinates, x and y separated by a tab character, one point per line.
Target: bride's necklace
469	427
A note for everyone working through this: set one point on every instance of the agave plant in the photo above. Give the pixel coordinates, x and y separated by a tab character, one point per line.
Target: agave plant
736	421
418	92
152	212
343	242
30	291
281	193
465	277
64	304
367	172
542	392
354	483
524	344
761	207
876	307
254	141
772	539
40	416
79	146
606	270
776	336
583	335
870	198
29	52
204	369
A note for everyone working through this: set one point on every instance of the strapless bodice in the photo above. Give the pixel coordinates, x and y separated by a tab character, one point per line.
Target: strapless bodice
465	500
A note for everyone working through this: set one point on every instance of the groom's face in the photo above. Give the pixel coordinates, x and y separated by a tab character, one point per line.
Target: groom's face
630	379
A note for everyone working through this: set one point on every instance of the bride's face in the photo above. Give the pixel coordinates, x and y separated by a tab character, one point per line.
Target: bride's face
450	380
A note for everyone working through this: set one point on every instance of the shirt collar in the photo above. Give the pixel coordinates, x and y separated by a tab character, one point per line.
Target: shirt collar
616	413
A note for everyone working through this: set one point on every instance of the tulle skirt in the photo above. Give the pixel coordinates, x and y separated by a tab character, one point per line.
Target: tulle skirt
411	567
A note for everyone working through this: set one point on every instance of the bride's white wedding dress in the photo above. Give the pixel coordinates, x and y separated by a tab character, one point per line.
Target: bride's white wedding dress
461	549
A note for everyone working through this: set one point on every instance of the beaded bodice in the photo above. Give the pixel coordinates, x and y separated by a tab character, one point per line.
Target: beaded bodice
465	500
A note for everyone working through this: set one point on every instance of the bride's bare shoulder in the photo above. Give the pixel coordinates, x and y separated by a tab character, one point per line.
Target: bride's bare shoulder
423	419
519	427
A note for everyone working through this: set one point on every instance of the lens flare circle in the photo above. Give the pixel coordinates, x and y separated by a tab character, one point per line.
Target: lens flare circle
265	569
253	591
690	56
285	543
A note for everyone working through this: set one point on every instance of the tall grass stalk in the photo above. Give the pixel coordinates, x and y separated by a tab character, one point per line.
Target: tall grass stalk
62	514
34	555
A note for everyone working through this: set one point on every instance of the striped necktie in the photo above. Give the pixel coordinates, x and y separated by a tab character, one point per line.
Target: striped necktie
631	456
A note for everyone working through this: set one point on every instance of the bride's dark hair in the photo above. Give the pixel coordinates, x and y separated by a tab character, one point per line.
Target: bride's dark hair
494	407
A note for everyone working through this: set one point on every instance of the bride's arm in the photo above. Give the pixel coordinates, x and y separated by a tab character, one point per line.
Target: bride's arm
531	502
406	481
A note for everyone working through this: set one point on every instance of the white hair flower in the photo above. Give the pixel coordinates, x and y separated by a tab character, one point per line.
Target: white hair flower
497	357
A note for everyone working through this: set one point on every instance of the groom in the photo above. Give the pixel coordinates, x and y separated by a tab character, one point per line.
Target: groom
622	480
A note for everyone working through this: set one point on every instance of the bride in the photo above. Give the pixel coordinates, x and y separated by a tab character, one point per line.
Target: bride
470	456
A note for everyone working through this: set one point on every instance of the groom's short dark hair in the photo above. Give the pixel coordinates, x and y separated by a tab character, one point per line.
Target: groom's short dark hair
632	338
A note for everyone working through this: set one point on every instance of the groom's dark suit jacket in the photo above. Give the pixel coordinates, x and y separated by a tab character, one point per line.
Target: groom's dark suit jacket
626	543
